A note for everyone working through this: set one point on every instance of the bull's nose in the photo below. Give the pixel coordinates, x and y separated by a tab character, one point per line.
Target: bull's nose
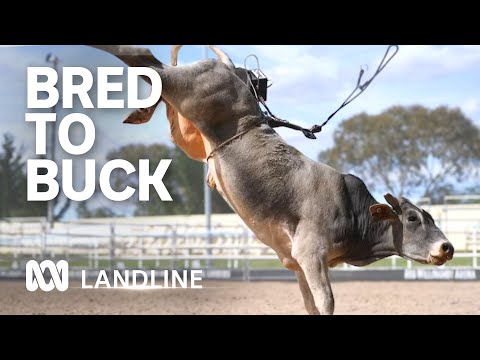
448	250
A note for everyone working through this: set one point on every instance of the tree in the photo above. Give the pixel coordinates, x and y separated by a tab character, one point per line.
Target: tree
13	183
408	149
102	212
184	181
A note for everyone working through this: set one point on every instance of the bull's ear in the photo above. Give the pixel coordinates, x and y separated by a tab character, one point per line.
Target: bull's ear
382	212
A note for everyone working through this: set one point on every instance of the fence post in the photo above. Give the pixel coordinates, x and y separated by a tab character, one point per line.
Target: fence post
68	244
474	235
90	256
112	250
15	259
235	252
95	259
140	255
230	251
246	247
174	249
186	252
43	240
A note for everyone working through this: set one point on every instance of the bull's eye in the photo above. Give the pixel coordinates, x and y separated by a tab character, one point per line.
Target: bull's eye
412	218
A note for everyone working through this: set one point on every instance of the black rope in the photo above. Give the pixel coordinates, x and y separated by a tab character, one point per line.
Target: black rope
274	121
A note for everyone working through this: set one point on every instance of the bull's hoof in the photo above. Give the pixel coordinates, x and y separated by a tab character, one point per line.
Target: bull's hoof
211	182
141	116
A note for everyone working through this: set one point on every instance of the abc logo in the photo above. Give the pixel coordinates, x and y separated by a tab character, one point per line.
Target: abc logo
35	275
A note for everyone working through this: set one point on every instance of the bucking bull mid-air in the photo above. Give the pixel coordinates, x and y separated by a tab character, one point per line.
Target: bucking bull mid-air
311	215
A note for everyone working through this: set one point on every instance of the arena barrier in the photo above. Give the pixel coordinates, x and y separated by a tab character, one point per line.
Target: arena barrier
226	252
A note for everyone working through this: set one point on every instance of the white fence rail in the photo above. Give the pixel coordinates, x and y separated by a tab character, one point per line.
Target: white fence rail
134	245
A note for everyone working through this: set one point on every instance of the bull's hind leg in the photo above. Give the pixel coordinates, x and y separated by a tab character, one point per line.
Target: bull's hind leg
207	92
308	252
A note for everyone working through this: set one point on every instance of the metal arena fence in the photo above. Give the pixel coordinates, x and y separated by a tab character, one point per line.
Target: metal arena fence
225	250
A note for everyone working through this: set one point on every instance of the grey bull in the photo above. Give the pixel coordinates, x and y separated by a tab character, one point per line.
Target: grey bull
311	215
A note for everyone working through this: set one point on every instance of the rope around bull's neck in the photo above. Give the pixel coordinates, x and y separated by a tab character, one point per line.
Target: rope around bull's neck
259	121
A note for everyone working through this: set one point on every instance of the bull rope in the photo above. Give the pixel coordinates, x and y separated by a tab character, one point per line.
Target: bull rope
275	121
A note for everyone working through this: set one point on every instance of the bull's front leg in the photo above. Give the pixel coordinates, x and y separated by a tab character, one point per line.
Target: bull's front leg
311	257
307	295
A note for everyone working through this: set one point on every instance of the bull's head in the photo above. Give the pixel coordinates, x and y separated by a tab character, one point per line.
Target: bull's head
415	234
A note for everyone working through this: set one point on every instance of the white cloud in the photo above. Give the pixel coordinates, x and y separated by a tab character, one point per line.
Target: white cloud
288	72
425	61
318	73
286	58
318	78
289	63
11	58
279	52
293	70
471	105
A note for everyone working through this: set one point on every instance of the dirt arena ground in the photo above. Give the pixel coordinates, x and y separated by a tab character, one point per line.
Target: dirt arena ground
224	297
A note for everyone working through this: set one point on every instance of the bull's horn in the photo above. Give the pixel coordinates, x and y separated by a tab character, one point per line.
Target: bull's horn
220	54
223	57
174	54
394	203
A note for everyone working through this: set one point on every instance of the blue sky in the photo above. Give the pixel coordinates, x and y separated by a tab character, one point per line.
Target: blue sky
309	82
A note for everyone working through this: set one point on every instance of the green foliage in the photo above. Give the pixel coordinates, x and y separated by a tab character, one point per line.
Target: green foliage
13	183
408	149
101	212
